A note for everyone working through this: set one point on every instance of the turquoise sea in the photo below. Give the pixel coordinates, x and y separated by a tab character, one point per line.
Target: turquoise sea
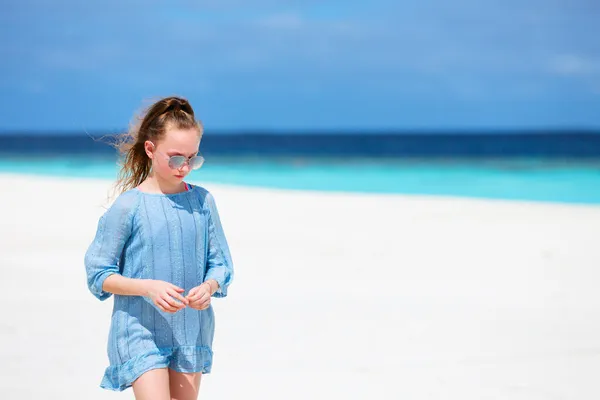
523	179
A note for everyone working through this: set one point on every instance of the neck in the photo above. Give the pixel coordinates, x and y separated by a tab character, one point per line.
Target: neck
155	184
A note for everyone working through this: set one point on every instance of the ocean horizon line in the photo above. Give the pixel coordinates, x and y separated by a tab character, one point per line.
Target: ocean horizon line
573	144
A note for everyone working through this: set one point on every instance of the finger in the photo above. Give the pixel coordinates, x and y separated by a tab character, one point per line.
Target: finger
195	297
178	297
197	304
161	308
177	288
171	302
164	306
205	296
192	292
203	304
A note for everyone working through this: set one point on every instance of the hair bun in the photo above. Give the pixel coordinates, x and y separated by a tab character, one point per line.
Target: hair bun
174	104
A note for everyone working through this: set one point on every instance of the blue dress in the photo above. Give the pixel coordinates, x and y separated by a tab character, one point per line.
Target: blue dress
176	238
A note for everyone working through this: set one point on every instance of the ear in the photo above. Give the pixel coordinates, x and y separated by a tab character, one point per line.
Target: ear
149	149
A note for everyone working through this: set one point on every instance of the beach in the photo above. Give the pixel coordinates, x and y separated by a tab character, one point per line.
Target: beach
335	295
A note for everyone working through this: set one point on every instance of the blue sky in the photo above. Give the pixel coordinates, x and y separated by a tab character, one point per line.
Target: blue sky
303	65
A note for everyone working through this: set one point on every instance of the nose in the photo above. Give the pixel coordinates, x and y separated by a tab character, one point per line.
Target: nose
185	168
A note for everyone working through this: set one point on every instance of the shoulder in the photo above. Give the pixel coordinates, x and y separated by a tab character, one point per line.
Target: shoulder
127	199
124	205
204	195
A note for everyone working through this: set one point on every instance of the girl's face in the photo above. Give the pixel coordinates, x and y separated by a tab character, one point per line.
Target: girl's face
176	142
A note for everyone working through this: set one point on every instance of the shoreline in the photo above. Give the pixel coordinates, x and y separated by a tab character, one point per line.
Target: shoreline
14	176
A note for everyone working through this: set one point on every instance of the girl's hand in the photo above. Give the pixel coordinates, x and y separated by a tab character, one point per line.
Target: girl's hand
163	295
199	297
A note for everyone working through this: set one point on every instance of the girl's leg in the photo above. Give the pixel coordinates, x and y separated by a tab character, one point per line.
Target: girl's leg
184	386
152	385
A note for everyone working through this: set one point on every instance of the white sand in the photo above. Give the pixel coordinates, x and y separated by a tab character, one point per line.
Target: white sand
336	296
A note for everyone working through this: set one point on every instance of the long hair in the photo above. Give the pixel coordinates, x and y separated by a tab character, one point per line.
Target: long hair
169	112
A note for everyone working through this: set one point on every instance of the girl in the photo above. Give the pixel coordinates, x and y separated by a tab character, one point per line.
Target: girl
161	250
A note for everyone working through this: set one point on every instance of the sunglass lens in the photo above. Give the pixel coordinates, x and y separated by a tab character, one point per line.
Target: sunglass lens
176	162
196	162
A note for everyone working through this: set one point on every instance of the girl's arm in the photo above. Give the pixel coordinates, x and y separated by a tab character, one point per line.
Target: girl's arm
219	266
119	284
103	255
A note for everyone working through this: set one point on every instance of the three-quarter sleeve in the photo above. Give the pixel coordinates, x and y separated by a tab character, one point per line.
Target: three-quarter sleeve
219	265
103	256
